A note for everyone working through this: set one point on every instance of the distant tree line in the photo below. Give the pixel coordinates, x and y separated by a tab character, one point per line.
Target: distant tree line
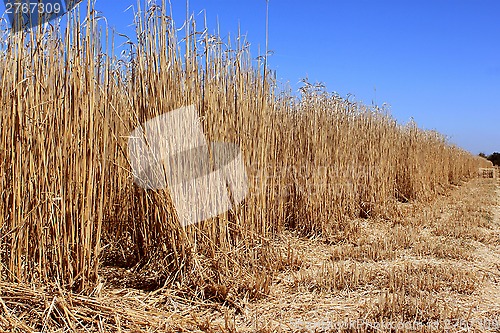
494	158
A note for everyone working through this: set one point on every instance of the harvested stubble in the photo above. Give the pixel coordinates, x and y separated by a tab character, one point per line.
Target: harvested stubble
68	202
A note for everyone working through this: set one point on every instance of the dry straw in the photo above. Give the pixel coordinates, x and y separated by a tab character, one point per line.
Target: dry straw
68	202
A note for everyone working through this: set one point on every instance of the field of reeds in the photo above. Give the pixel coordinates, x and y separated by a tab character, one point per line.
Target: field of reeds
71	215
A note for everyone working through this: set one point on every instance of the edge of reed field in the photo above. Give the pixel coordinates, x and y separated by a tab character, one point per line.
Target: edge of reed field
426	271
69	205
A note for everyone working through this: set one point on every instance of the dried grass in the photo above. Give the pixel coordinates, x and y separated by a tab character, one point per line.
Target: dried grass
317	165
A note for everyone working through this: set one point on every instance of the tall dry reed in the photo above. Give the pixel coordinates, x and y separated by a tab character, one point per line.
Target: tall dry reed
68	201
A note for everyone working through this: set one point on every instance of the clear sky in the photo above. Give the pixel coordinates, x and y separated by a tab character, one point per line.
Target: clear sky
437	61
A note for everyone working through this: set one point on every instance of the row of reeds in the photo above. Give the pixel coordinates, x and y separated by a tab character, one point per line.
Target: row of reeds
68	202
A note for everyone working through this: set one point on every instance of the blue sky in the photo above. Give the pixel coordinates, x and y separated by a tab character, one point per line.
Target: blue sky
437	61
